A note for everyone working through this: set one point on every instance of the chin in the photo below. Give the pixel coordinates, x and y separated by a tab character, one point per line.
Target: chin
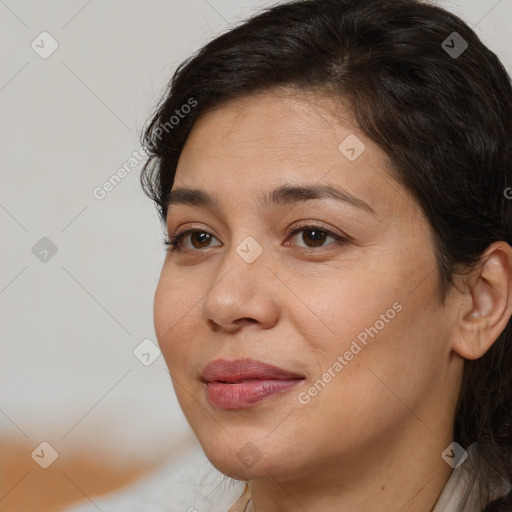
241	459
228	463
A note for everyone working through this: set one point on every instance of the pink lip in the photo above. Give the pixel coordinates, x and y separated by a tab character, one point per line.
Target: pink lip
245	382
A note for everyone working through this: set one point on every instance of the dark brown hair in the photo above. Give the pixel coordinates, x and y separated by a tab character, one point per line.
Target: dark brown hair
444	120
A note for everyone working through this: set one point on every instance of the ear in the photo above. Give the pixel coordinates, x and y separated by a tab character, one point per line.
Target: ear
486	304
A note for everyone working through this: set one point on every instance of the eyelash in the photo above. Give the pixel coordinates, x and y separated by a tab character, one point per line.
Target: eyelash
174	242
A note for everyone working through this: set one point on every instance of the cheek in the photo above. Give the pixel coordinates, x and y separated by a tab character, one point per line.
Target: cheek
379	322
338	306
384	354
175	318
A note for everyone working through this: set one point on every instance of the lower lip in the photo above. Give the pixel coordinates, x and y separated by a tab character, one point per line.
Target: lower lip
246	394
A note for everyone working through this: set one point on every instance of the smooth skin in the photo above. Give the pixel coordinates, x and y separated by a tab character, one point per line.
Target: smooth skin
372	438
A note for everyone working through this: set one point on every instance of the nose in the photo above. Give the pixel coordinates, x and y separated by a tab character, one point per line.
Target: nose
242	292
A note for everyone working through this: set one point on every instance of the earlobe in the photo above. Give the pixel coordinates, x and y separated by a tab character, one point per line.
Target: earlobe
486	307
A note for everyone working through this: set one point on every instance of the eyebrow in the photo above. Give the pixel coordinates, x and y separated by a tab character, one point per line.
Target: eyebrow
284	195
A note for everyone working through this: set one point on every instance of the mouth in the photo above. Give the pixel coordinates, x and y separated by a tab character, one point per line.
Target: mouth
242	383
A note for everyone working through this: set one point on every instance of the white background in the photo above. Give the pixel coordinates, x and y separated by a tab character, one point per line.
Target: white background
69	326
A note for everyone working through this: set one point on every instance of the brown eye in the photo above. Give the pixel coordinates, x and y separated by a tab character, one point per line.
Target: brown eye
313	237
200	239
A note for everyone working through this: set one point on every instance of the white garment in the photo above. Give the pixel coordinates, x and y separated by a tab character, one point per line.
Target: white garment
187	483
460	492
192	484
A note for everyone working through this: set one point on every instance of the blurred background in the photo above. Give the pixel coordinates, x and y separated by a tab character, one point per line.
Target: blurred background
86	403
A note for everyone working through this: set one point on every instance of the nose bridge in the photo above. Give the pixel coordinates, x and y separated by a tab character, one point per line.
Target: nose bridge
249	250
236	291
243	263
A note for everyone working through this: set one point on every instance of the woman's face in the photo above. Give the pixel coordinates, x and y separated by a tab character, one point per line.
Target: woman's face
339	291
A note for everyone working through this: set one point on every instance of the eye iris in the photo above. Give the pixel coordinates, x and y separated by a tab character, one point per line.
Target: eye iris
202	237
318	237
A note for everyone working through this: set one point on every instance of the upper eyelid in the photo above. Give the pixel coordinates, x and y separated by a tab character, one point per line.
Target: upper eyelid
307	225
312	225
298	225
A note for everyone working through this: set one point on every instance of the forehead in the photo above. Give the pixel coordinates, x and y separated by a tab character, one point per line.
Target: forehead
272	125
264	141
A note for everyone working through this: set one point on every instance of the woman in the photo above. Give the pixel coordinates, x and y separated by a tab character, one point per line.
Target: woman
334	306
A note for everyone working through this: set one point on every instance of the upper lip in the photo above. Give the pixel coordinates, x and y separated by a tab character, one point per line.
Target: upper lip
238	370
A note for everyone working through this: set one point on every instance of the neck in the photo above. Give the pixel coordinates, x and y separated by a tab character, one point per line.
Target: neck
410	476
